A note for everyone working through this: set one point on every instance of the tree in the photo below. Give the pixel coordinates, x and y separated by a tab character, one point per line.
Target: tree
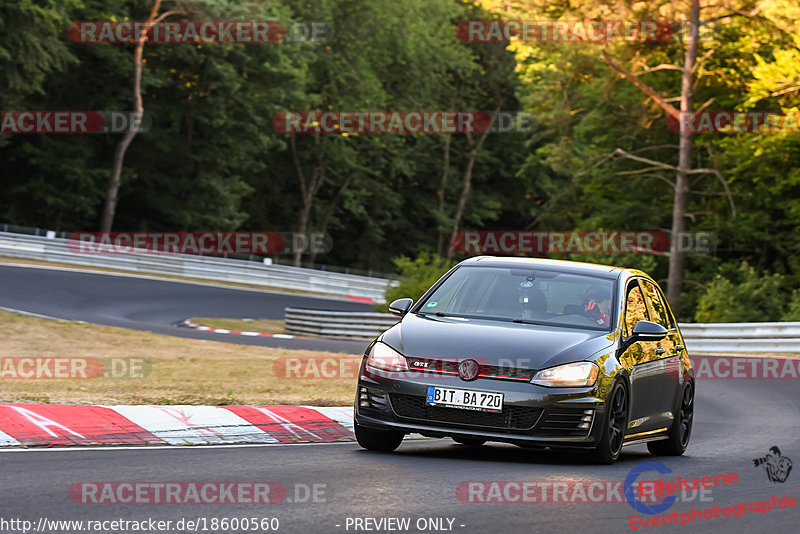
684	167
364	67
112	194
466	187
32	48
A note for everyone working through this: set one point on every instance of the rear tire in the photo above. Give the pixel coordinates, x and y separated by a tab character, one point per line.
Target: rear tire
615	423
470	442
681	430
377	440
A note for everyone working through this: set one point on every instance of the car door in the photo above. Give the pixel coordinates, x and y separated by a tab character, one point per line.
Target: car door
670	349
645	371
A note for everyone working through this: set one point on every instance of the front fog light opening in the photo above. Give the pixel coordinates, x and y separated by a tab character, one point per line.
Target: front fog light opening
363	397
371	398
586	420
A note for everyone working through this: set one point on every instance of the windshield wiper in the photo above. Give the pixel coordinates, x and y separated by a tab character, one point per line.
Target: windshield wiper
450	315
527	321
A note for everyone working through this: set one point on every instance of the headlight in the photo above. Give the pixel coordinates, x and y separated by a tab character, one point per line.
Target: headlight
382	357
571	375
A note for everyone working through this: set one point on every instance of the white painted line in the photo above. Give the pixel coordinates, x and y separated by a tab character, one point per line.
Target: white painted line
170	447
31	314
194	447
188	324
194	425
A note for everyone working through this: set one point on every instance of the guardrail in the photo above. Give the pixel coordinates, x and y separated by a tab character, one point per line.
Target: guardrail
336	325
742	337
699	337
55	249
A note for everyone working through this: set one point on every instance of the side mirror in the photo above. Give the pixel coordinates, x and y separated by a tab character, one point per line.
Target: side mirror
400	306
645	331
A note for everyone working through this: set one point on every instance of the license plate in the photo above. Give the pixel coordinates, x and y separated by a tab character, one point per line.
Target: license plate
465	399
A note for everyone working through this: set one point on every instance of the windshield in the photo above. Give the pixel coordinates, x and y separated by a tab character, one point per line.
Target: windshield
525	296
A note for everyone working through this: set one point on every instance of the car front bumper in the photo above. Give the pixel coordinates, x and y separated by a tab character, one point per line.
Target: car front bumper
532	415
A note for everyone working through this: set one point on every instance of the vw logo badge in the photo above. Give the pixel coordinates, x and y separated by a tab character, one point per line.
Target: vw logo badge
468	370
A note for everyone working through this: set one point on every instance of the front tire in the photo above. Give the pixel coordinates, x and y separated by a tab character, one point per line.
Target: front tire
681	429
615	423
377	440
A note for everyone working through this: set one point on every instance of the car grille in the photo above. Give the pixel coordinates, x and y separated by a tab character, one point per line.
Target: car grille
511	418
566	422
484	370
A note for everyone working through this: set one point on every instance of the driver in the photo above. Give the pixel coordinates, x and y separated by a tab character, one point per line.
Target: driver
598	307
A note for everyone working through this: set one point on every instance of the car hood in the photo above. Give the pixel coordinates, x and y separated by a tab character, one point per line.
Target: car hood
493	342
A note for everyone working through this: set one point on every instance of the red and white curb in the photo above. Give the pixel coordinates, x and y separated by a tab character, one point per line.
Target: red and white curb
362	299
188	324
53	424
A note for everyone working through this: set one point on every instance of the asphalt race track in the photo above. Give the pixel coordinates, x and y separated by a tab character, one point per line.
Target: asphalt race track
155	305
736	421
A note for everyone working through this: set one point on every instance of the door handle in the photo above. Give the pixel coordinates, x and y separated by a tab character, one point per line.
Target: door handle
679	348
660	350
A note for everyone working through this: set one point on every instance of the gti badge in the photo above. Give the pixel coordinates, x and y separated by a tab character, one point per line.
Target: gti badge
468	370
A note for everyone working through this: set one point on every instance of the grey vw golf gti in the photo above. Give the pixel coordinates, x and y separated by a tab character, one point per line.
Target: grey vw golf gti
534	352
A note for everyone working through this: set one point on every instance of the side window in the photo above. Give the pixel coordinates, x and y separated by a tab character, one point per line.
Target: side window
656	306
635	309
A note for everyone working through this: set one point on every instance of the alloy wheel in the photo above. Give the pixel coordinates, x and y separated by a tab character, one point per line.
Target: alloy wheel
618	419
687	414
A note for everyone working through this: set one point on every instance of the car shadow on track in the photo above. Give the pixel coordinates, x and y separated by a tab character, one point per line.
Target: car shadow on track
509	454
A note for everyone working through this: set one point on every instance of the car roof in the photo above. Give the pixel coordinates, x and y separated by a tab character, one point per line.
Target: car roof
570	267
